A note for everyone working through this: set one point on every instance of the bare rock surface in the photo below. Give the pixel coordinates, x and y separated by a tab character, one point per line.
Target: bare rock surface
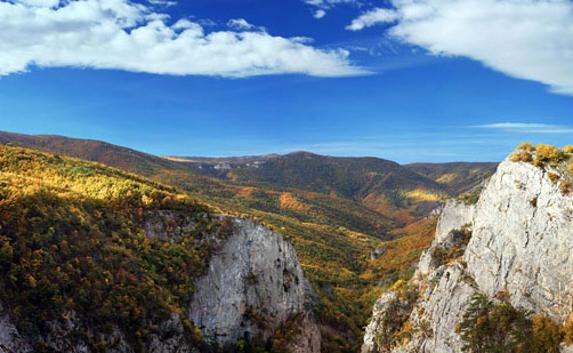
455	215
10	339
437	314
523	240
521	244
254	283
376	324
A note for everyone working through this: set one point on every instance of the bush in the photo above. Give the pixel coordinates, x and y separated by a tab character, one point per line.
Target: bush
553	177
396	316
526	157
526	146
546	335
491	328
470	198
568	149
459	240
394	327
568	330
537	163
549	154
566	187
521	156
495	328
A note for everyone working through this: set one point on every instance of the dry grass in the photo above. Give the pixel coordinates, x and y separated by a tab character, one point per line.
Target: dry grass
289	201
424	195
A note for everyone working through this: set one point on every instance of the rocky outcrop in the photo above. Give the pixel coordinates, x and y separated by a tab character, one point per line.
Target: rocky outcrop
523	240
521	245
254	290
446	295
444	291
253	285
382	309
455	215
63	336
10	339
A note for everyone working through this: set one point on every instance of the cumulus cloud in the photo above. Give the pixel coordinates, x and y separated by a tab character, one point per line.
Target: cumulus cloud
527	127
372	18
318	14
528	39
119	34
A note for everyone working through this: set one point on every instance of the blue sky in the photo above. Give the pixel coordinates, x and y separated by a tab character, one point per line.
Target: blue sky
372	81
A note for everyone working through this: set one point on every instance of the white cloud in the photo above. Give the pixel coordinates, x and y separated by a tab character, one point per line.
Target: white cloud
528	127
166	3
372	18
41	3
325	4
318	14
240	24
528	39
119	34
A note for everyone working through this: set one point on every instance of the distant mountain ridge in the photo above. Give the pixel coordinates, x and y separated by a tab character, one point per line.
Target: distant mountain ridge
352	177
404	191
458	177
453	177
381	185
347	176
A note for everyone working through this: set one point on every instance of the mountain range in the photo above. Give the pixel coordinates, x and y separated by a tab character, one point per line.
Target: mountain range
357	224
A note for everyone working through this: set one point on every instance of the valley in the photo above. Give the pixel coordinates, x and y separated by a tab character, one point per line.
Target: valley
307	176
358	224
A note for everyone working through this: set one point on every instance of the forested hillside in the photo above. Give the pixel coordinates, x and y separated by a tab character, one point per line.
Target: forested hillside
338	212
457	178
72	242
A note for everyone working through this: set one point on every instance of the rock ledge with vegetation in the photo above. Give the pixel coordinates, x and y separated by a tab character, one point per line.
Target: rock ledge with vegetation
497	278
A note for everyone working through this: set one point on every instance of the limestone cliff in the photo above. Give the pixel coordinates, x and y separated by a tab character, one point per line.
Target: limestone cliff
517	240
255	285
254	290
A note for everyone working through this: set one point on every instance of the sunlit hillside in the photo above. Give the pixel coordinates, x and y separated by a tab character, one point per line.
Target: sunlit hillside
334	225
72	241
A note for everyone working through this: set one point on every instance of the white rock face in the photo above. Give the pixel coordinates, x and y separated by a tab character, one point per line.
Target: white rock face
254	284
380	311
455	215
445	293
522	242
437	314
